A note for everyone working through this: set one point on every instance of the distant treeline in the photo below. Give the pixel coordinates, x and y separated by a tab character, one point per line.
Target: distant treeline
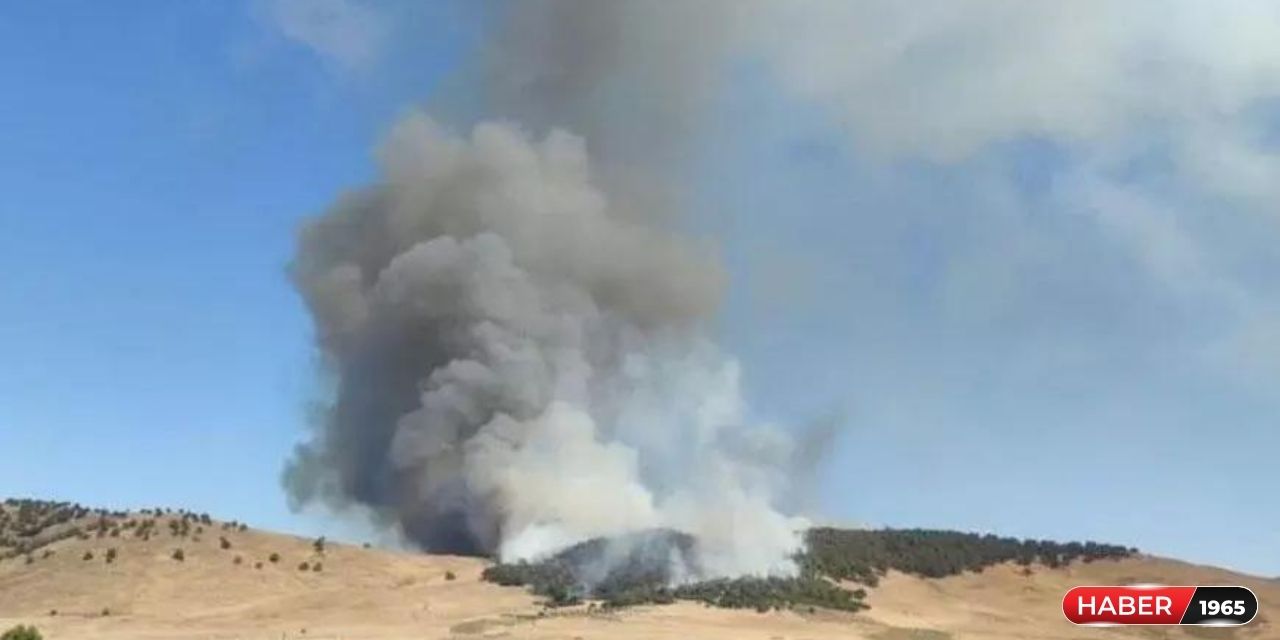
865	555
30	525
642	574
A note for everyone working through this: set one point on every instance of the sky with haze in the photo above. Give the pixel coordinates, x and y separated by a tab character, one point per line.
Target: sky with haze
1026	255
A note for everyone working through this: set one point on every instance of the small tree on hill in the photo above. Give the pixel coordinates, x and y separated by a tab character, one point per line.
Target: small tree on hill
22	632
179	555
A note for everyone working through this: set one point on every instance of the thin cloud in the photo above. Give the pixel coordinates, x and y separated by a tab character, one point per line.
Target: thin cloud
344	32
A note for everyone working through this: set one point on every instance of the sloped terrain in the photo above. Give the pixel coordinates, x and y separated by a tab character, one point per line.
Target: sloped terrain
644	565
69	590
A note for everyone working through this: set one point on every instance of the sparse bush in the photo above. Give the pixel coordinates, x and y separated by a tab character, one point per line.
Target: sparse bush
179	555
318	545
274	557
224	543
88	555
317	567
257	565
105	612
22	632
303	566
449	575
237	561
111	555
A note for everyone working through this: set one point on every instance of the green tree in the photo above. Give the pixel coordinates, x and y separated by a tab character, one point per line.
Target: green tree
22	632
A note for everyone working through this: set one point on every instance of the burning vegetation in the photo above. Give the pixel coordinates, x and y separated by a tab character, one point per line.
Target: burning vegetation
653	568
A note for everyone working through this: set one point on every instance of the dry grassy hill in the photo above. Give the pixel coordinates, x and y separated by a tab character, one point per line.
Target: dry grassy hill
69	590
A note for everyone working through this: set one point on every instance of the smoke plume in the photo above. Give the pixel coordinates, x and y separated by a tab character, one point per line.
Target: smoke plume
521	366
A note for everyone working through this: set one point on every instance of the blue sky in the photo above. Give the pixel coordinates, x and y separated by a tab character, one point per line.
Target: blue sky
1041	332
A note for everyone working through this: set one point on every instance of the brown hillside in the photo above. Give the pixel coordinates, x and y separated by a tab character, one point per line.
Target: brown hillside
366	593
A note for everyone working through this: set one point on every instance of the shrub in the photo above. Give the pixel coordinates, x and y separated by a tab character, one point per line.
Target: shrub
224	543
88	555
318	545
111	555
21	632
317	567
304	566
179	555
449	575
274	557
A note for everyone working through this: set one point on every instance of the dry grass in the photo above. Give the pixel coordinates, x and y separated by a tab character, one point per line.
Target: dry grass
370	593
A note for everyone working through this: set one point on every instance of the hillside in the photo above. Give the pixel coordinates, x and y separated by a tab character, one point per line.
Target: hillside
69	590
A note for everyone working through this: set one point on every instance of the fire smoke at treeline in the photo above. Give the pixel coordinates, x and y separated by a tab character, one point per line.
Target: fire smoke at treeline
518	331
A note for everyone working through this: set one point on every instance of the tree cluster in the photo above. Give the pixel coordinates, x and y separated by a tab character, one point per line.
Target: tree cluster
864	555
27	526
641	572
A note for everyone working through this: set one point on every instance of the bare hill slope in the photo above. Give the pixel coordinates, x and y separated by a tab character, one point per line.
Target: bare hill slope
70	590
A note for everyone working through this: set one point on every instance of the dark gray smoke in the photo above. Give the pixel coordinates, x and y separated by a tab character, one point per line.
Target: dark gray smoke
518	337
